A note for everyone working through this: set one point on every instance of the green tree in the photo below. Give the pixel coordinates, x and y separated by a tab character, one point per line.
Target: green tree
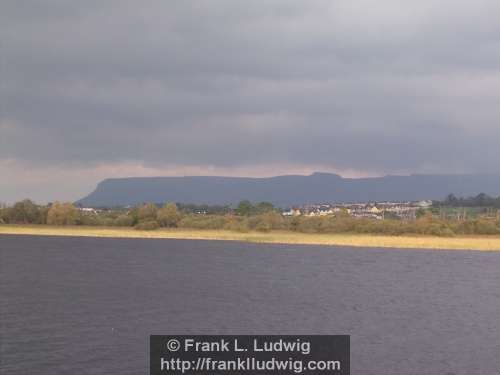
62	214
451	200
24	212
168	215
244	208
4	214
264	207
421	212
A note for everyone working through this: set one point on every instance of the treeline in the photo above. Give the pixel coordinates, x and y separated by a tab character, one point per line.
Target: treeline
480	200
425	225
245	217
147	216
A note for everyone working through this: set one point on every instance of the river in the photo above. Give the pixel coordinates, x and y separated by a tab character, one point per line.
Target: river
87	306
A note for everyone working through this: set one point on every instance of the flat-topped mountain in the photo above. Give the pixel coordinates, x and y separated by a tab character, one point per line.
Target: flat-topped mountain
286	190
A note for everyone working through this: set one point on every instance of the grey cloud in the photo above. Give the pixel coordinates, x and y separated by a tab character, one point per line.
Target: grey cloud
384	85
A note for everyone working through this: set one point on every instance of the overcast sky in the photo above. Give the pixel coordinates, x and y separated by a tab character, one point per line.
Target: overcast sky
94	89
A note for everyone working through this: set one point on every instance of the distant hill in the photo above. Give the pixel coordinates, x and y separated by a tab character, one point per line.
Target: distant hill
286	191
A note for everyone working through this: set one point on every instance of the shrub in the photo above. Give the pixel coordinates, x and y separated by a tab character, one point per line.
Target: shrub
238	225
447	232
147	225
263	227
168	215
484	226
89	219
310	225
464	227
62	214
124	221
293	224
147	212
202	222
274	219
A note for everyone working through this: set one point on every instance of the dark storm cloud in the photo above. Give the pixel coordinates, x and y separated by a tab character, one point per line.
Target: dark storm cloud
362	85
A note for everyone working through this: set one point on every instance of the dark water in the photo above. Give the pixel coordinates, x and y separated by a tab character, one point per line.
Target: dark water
88	306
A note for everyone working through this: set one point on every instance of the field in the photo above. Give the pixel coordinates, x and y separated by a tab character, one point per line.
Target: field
481	243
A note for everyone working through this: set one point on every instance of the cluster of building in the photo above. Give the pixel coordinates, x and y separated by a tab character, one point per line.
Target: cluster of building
88	210
373	210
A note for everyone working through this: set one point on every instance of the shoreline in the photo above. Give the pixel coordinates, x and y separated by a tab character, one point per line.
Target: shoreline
474	243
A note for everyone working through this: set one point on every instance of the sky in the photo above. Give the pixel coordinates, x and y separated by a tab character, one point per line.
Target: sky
96	89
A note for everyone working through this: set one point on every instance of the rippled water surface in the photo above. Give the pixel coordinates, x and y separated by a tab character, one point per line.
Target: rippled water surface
88	306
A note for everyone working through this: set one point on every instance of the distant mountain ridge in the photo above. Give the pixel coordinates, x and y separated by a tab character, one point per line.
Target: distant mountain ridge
288	190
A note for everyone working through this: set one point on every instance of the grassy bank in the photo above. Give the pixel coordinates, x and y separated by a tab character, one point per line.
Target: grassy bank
483	243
